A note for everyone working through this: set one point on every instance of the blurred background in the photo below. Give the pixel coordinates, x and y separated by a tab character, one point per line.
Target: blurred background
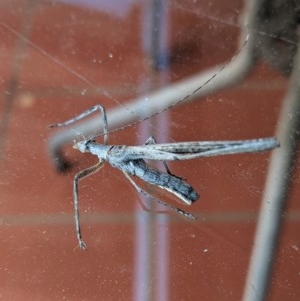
234	62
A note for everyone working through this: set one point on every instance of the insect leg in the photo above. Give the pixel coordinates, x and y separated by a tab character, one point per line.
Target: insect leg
141	191
151	140
87	113
82	174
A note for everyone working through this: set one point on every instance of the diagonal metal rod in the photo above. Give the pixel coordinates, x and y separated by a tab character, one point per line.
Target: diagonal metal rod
202	84
276	192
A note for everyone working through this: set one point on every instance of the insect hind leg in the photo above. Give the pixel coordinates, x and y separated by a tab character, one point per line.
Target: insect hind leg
158	201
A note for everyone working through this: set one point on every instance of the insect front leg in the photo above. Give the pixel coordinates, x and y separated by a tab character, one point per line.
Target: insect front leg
82	174
85	114
61	163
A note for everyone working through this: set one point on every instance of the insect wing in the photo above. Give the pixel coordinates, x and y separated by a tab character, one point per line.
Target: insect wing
147	152
196	149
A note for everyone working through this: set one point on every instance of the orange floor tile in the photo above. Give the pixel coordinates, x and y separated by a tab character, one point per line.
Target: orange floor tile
58	58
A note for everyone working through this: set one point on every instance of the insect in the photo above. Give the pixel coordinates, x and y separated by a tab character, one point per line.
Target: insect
130	160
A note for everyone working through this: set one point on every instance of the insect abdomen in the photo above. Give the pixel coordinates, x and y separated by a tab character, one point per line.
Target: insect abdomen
166	181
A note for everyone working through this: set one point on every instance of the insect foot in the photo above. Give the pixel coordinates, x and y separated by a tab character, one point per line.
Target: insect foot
82	245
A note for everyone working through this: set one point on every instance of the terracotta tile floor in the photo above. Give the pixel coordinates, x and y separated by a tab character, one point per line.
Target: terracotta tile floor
57	59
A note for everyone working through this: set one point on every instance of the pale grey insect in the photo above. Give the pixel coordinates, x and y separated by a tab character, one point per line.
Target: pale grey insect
130	160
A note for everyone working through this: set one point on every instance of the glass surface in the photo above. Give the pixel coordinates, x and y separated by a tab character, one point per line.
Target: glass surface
59	58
